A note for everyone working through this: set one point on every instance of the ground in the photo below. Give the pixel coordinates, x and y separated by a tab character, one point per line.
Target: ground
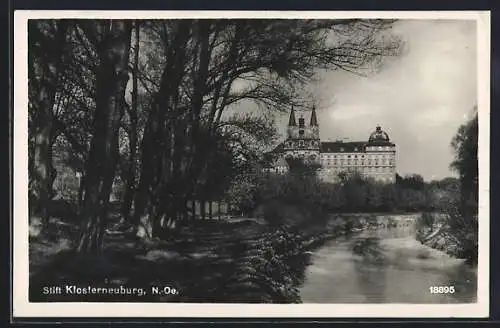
223	261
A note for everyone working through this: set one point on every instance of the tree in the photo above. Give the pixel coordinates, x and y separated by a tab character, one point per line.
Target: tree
462	227
195	70
112	38
47	42
301	167
375	193
465	145
412	181
355	191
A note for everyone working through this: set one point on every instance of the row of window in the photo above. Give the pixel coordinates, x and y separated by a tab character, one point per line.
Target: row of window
357	162
380	169
379	148
302	143
370	172
368	156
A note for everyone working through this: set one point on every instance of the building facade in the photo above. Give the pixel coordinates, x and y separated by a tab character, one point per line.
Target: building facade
374	158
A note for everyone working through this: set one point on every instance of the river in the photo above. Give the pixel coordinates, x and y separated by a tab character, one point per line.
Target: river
385	265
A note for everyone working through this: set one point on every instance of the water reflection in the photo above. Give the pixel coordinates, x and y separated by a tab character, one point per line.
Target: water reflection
385	264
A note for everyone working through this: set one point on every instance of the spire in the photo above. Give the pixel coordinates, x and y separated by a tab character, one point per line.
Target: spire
314	119
291	121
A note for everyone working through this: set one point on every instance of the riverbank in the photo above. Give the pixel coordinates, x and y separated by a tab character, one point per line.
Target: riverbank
451	234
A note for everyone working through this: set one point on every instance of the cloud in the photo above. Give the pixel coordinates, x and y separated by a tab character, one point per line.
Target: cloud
420	99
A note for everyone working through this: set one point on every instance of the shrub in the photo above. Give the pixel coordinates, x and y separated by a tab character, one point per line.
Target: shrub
461	231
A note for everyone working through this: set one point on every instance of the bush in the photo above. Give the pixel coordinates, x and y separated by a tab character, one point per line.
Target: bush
352	194
458	235
461	231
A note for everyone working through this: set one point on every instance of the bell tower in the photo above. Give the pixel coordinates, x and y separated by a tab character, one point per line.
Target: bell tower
303	140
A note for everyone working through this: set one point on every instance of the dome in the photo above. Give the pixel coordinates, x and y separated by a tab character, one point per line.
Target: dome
378	135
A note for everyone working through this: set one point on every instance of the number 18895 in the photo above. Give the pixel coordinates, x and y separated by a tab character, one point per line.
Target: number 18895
442	289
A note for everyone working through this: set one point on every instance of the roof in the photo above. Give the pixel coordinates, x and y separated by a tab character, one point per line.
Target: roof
350	147
379	135
334	147
314	119
291	120
380	143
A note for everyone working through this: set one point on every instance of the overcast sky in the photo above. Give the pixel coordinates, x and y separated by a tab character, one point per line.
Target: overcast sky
420	99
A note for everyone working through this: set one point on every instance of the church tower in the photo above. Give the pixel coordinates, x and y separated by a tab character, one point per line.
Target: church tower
303	140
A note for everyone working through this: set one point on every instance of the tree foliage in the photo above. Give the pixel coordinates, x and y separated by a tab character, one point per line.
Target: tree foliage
352	193
465	145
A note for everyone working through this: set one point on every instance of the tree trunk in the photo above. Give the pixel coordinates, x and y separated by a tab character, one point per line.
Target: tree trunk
149	156
81	191
47	42
202	209
157	156
111	81
185	213
130	184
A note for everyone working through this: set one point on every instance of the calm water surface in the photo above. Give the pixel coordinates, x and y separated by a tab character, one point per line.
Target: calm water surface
385	265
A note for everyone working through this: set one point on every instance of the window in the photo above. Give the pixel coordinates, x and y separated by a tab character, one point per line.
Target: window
301	132
301	143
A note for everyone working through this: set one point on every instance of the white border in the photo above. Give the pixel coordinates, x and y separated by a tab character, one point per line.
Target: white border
23	308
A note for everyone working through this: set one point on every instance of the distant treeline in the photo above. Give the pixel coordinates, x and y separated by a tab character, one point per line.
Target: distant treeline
351	194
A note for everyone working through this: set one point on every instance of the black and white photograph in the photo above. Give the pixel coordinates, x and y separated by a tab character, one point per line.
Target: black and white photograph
291	164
